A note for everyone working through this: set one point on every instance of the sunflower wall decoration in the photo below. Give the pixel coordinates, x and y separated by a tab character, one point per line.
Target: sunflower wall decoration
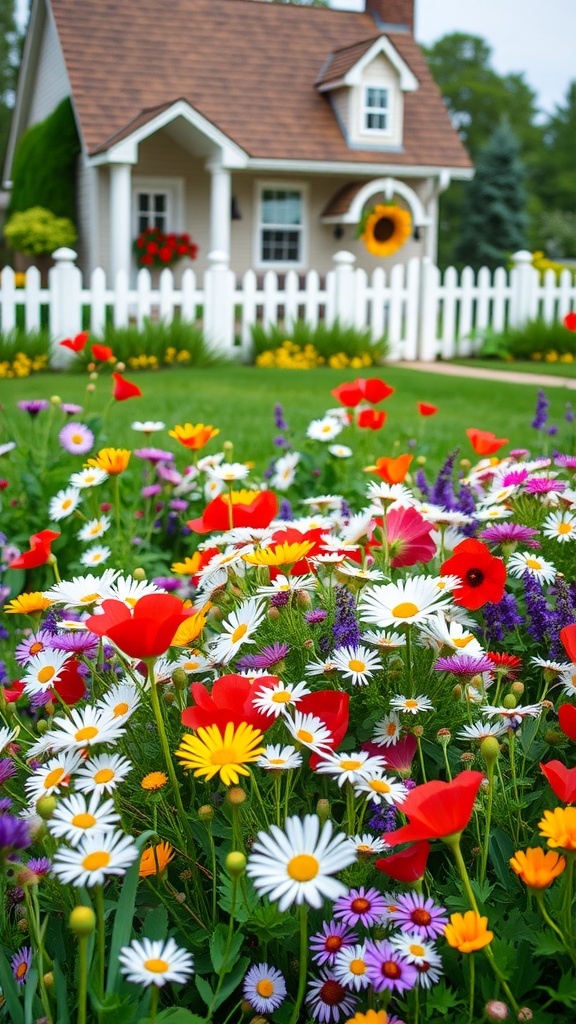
385	229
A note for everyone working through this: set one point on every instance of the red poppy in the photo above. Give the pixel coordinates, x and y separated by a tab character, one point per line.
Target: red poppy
371	419
562	780
39	552
231	700
375	390
484	442
249	508
124	389
349	394
427	410
101	353
146	630
331	706
568	638
438	809
408	536
569	321
567	720
393	471
509	662
76	344
483	575
372	390
407	866
71	686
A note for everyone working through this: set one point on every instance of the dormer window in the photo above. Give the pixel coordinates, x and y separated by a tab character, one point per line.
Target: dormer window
376	110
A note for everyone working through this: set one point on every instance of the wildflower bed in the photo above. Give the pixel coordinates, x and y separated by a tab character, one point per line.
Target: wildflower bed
310	760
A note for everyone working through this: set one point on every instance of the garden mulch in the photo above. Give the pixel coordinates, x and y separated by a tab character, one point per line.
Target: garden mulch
481	373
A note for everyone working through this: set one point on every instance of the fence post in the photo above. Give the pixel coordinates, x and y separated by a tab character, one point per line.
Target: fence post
65	305
344	288
523	289
428	325
219	285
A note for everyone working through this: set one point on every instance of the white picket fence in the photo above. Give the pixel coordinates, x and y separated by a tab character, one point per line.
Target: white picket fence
424	315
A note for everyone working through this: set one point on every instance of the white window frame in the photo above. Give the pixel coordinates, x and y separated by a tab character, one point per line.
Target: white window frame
172	188
368	109
259	226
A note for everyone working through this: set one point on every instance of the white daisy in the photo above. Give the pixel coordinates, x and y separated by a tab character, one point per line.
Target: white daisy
357	572
387	730
289	585
411	705
380	789
325	429
321	668
212	488
498	494
349	967
326	502
384	496
437	632
340	451
209	461
481	730
76	817
237	630
560	526
155	962
88	477
526	562
6	737
44	670
121	700
129	590
357	664
84	728
97	554
148	426
296	865
568	682
102	774
83	591
64	503
550	666
310	731
418	951
285	471
96	859
277	758
366	845
493	512
228	472
512	716
52	776
385	641
192	662
408	601
349	767
275	700
94	528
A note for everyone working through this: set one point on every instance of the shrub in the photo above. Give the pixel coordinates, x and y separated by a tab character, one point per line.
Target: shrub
535	340
328	341
44	165
23	352
157	344
37	231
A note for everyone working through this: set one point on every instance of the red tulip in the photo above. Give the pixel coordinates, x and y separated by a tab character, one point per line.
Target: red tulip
483	575
39	552
567	720
76	344
561	779
249	508
146	630
407	866
484	442
427	410
231	700
102	353
371	419
124	389
438	809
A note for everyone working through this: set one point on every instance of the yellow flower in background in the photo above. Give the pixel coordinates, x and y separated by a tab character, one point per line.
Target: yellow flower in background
192	627
280	554
210	753
190	566
468	932
386	230
154	781
194	436
112	460
27	604
536	867
370	1017
155	859
559	827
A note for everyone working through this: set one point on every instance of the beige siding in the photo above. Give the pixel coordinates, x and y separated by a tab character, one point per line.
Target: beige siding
378	73
51	83
340	100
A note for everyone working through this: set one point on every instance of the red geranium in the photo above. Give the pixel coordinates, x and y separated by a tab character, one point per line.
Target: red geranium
484	442
371	419
231	700
567	720
155	248
249	508
438	809
562	780
39	553
427	410
76	344
102	353
146	630
483	575
407	866
124	389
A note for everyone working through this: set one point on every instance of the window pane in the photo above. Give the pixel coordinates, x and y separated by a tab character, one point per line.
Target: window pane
377	98
280	246
160	202
142	224
143	201
377	121
281	207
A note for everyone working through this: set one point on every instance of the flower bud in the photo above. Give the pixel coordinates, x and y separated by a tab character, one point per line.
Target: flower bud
496	1010
517	688
236	796
421	460
205	813
82	921
273	613
42	726
490	749
510	701
179	678
235	863
56	400
22	926
323	810
93	375
139	573
90	387
443	736
525	1013
120	366
457	692
169	698
46	806
554	737
418	731
245	1006
49	979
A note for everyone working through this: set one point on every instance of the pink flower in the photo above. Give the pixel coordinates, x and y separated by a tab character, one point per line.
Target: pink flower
409	537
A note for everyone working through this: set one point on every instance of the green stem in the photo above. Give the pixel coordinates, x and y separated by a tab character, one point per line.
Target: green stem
568	894
551	924
409	662
453	842
421	759
486	843
82	979
512	755
303	967
472	985
222	972
154	1003
350	809
100	924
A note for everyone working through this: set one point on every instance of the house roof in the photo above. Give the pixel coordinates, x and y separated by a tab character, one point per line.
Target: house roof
341	61
249	68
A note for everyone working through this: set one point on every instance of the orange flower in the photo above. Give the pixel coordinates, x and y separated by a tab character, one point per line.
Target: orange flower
536	867
484	442
27	604
559	827
370	1017
468	932
193	436
393	471
155	859
112	460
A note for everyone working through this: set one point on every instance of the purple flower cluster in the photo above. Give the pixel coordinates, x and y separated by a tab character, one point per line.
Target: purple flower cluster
34	406
536	607
464	664
564	614
541	414
510	533
14	834
501	618
267	657
346	631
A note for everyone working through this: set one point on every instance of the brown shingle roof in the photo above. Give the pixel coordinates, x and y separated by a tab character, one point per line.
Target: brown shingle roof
341	61
248	67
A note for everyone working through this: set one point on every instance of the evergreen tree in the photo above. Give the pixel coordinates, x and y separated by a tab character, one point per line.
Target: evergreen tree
494	222
10	47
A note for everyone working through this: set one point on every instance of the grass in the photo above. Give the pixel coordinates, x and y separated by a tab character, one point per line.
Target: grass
240	401
541	368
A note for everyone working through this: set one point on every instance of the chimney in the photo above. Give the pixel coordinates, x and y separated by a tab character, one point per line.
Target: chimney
392	12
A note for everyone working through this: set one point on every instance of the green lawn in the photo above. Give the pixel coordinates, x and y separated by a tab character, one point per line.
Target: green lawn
521	366
240	401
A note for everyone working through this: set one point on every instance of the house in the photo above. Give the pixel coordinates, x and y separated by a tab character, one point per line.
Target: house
264	130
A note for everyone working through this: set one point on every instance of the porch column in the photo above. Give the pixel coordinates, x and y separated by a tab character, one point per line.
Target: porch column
220	202
120	219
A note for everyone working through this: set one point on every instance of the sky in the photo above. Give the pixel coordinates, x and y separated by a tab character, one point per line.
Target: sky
536	37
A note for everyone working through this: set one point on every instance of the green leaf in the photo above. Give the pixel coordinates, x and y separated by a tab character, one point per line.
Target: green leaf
29	994
175	1015
501	848
218	948
155	924
230	983
124	916
61	991
10	991
547	945
566	991
205	992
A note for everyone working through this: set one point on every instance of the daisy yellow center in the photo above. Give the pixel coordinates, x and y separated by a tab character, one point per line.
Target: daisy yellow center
84	820
95	861
356	666
66	504
89	598
21	969
265	988
36	647
303	868
326	429
282	697
239	632
304	736
357	967
405	610
45	674
564	528
87	733
462	641
156	966
121	709
103	775
363	848
77	438
391	729
130	601
350	766
277	760
410	703
95	530
417	950
190	666
379	786
54	778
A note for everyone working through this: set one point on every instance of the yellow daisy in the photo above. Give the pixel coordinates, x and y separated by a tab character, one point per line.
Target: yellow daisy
192	627
280	554
189	567
111	460
209	753
27	604
154	781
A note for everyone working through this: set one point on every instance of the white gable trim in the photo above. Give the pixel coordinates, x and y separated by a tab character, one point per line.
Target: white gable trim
359	169
390	187
408	80
126	151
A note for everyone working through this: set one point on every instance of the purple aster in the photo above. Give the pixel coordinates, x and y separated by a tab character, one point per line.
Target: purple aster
34	644
365	905
83	642
20	964
510	533
315	616
39	865
5	804
14	833
464	664
76	439
514	477
543	485
566	461
327	998
40	698
280	599
415	913
70	409
178	504
168	473
285	512
386	968
151	490
34	406
168	583
154	455
7	769
267	657
328	942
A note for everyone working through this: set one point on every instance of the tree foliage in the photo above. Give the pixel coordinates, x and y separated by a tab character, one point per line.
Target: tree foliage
44	165
10	50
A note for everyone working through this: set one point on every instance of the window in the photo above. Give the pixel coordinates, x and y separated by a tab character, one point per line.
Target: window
157	203
151	211
376	109
281	225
